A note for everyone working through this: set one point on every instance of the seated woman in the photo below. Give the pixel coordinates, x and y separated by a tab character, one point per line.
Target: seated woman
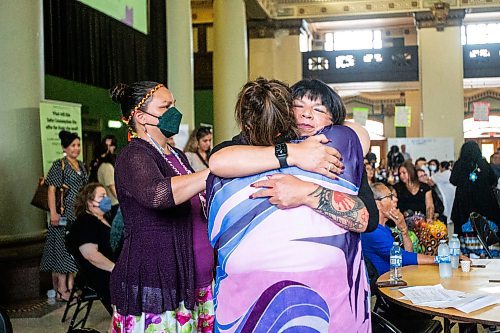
198	148
413	196
293	269
89	240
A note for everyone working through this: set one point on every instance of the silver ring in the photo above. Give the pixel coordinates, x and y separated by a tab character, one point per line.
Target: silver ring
329	166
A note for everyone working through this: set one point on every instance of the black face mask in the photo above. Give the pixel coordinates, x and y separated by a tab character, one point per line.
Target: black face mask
169	122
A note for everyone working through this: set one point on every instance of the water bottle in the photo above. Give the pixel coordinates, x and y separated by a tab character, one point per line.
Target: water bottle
444	260
454	251
51	296
396	262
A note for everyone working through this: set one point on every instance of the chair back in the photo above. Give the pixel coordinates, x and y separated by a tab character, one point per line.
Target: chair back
5	325
484	231
382	325
373	275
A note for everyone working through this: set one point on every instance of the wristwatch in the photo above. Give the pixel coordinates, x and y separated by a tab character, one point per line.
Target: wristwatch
281	152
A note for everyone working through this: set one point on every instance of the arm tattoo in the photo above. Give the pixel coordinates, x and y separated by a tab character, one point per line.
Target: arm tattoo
346	211
429	213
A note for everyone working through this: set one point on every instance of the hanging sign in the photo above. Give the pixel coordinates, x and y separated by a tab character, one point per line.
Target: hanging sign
360	115
402	117
481	111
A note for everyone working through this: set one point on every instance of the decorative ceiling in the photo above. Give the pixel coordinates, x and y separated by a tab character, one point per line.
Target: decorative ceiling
330	10
326	9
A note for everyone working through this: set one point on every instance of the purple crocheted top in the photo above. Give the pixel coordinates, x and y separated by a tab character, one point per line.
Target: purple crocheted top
155	270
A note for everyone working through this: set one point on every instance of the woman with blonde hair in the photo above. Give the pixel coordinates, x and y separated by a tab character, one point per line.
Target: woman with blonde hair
198	148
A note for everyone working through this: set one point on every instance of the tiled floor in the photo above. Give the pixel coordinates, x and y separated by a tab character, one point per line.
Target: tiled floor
51	323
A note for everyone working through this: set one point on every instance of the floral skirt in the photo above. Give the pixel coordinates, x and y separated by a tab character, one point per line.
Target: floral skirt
182	320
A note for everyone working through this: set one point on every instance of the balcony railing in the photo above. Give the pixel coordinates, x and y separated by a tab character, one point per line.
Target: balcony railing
388	64
481	60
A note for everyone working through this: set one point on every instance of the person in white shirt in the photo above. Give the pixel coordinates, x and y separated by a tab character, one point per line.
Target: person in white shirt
405	154
447	190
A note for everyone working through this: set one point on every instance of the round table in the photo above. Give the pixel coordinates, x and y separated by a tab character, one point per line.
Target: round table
476	281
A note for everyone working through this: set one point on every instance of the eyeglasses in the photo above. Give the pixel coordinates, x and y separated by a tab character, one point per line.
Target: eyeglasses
390	196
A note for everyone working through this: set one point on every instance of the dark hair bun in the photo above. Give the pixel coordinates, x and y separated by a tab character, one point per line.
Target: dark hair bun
67	138
64	134
117	92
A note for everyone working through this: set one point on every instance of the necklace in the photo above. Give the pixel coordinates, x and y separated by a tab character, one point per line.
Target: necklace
74	165
161	150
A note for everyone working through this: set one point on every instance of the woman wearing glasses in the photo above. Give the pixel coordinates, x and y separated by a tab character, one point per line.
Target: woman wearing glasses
377	244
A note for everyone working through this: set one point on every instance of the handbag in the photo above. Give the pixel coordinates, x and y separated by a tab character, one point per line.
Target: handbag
41	196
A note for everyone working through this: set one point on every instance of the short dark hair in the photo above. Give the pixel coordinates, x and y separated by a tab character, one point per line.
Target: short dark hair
445	165
420	159
435	161
315	89
110	137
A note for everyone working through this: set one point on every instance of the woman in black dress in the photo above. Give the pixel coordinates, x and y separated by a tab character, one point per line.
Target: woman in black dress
474	180
89	240
413	195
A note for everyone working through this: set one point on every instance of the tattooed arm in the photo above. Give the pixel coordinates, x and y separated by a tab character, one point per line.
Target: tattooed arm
345	210
286	191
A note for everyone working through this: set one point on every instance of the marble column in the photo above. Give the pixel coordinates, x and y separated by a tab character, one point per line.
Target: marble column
180	58
441	78
230	64
22	226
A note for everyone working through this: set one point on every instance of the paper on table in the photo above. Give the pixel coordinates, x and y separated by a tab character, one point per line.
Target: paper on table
426	294
477	304
439	297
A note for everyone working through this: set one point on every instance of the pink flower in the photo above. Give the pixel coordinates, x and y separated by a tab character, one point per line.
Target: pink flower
183	318
204	295
206	323
123	323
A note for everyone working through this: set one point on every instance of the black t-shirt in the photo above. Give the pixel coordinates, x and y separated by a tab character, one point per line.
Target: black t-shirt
365	192
88	229
408	201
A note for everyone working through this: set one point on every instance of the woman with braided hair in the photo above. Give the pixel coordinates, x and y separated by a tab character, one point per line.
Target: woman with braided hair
162	279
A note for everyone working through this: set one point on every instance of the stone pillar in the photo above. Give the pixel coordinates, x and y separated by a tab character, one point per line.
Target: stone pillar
275	51
180	57
230	64
441	78
413	98
22	226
